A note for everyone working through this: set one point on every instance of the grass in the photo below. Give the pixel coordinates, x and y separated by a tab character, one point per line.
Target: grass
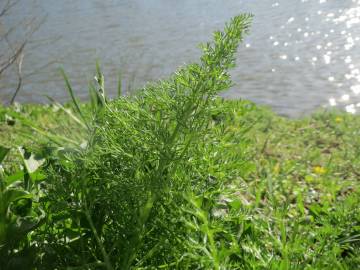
175	178
297	206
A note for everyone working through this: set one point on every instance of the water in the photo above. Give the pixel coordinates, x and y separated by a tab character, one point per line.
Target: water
301	54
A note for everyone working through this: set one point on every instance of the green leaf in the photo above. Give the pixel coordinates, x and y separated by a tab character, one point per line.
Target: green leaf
236	205
3	152
19	175
300	204
10	195
38	176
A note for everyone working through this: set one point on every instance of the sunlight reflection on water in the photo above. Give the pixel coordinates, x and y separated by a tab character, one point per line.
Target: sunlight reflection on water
300	54
334	33
350	18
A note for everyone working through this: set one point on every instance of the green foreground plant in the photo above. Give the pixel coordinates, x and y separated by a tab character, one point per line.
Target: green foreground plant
141	159
19	193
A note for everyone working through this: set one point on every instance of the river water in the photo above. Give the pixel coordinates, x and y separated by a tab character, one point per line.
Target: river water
300	54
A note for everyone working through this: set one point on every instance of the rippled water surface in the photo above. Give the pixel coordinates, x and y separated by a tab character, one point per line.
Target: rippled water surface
300	54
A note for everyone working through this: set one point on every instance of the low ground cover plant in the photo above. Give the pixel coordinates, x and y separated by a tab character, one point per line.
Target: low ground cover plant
176	178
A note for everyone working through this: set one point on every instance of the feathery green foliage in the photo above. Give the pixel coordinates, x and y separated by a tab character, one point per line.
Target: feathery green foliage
137	162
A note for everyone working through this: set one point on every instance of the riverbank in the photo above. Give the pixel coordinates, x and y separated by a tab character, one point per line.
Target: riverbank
298	196
174	177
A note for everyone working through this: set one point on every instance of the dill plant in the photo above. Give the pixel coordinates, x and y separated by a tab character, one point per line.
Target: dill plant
127	201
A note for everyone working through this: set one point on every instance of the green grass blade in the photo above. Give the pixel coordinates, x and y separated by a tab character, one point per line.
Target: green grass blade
67	111
57	139
3	152
71	92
